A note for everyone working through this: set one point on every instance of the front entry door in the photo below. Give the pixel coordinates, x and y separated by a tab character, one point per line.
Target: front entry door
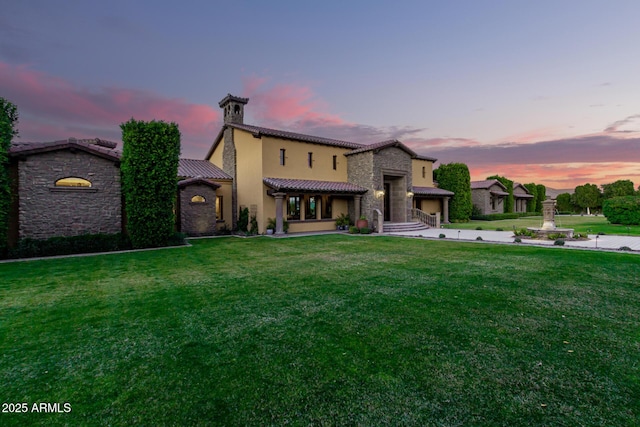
387	201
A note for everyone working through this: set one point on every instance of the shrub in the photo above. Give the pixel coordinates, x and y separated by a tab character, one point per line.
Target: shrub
517	240
623	210
86	243
455	177
442	236
271	223
499	229
479	238
625	248
478	228
149	170
365	230
254	225
8	120
243	220
555	236
501	216
354	230
559	242
524	232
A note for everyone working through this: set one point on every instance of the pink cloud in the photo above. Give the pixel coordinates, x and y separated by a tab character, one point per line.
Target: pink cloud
51	107
286	104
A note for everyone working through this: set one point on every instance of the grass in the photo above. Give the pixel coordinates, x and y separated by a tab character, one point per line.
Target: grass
581	224
325	330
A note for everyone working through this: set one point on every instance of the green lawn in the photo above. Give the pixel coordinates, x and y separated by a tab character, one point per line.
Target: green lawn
325	330
581	224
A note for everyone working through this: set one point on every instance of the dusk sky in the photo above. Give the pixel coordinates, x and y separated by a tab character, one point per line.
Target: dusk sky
538	91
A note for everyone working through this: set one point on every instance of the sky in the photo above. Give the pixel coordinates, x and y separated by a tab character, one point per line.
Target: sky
537	91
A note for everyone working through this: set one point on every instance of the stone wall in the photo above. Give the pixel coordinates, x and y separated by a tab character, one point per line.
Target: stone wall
197	218
229	165
46	211
395	163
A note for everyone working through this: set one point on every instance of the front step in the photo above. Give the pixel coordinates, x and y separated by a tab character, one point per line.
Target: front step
399	227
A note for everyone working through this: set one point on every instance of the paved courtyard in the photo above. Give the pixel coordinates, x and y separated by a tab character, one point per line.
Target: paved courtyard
605	242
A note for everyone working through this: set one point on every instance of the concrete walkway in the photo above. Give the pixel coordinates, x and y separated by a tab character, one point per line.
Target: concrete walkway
605	242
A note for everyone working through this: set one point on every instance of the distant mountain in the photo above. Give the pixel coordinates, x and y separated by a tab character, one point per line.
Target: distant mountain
553	193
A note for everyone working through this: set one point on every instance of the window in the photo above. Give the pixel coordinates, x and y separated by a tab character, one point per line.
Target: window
198	199
310	159
72	182
325	206
335	162
293	207
311	207
424	172
219	208
282	156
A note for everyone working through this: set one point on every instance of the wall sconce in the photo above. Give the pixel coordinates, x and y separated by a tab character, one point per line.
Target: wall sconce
409	193
379	194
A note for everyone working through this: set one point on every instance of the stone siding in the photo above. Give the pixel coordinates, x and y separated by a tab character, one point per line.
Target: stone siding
46	211
369	169
229	165
197	219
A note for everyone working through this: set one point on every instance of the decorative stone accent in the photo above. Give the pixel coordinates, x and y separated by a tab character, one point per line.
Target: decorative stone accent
46	211
197	218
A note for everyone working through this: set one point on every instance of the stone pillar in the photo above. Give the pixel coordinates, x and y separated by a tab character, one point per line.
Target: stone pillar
279	198
445	210
356	206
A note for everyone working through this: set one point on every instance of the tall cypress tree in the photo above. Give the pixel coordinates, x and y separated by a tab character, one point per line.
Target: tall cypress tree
456	177
8	122
149	172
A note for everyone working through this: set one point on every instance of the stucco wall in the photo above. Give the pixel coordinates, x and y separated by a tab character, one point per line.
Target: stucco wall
47	211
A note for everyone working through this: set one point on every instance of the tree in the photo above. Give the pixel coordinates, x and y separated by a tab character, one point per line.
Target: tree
509	201
532	203
541	191
455	177
563	203
624	210
8	122
588	197
149	170
622	187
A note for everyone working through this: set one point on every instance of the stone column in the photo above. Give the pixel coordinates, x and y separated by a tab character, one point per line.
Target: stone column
356	202
445	210
279	198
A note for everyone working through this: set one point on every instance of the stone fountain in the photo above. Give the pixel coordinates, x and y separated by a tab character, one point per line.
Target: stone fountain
549	222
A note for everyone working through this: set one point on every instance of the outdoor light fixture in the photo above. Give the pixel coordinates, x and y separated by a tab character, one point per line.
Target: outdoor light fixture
409	193
379	193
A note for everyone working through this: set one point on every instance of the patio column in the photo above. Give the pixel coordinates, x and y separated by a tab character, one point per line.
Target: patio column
356	202
445	210
279	197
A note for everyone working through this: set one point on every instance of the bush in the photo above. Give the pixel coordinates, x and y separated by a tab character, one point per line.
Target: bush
625	248
254	226
479	238
622	210
86	243
455	177
354	230
441	236
559	242
517	240
365	230
243	220
525	232
555	236
499	229
478	228
499	217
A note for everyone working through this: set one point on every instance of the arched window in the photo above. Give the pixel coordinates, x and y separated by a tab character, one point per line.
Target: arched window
198	199
72	182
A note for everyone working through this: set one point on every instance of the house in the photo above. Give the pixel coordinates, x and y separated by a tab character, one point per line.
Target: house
488	196
72	187
310	180
520	197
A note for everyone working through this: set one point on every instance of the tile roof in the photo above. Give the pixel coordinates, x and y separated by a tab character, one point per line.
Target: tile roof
288	185
383	144
432	191
499	193
483	185
190	168
95	146
197	180
258	131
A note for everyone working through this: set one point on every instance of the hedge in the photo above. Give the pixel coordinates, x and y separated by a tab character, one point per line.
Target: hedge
149	169
498	217
623	210
8	120
455	177
86	243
